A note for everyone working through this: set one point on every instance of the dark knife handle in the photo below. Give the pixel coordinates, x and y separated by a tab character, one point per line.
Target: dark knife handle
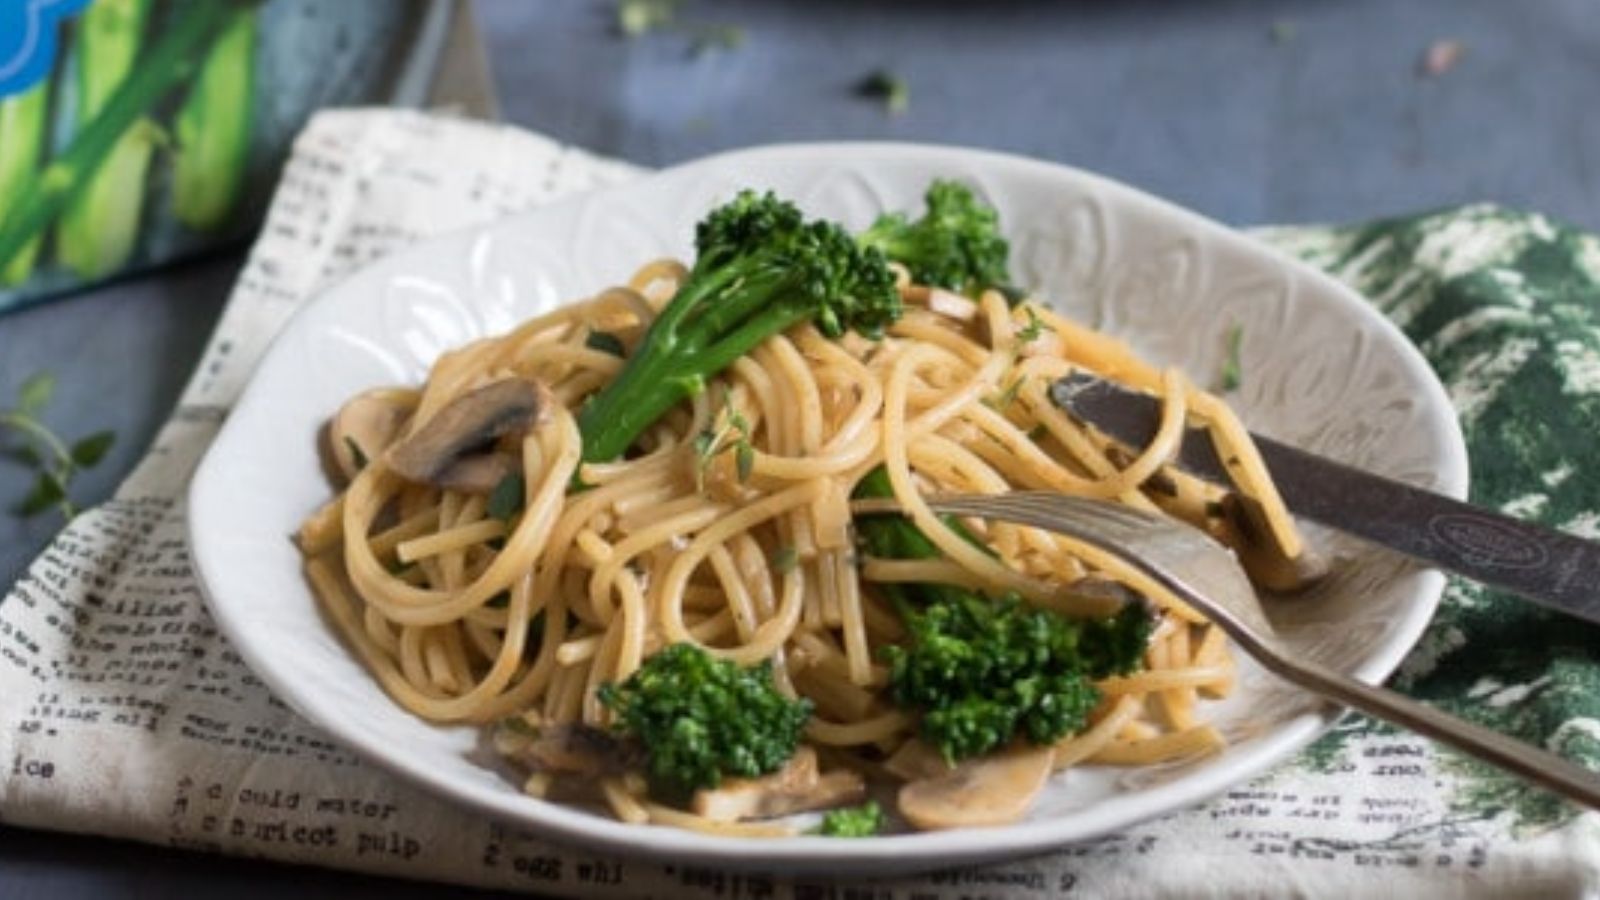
1544	565
1550	568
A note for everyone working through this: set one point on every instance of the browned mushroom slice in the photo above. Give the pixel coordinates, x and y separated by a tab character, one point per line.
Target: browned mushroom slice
916	759
797	787
988	790
366	425
1263	559
572	749
445	449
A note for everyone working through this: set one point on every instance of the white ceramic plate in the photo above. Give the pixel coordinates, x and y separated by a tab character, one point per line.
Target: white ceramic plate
1321	370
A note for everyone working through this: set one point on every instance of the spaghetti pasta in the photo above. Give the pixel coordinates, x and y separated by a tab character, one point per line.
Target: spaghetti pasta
728	527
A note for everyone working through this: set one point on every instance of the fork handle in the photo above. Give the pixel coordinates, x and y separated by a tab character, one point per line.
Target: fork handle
1538	766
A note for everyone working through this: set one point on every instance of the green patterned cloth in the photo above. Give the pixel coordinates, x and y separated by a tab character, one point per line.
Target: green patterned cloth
1506	307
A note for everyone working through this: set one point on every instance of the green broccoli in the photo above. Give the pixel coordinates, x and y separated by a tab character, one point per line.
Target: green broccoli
701	718
760	269
979	672
955	245
865	820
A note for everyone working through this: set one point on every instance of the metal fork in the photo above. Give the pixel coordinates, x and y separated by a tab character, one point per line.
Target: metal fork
1205	575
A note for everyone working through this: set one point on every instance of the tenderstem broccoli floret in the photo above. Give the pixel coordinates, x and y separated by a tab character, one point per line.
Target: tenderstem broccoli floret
956	244
981	672
760	269
701	718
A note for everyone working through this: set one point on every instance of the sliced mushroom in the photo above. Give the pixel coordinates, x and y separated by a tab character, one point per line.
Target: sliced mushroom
989	790
915	760
448	449
797	787
573	749
366	425
1263	558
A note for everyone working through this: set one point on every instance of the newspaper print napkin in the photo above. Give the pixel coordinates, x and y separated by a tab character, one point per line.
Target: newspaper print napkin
123	712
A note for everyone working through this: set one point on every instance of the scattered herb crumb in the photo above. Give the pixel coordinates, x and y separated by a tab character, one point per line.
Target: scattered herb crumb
784	559
54	462
508	497
1284	31
865	820
1035	327
605	342
888	88
1228	379
636	18
1002	401
357	455
1442	56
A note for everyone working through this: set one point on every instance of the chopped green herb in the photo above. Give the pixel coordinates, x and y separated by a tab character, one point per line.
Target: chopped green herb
1002	401
499	601
53	461
744	457
605	342
507	499
887	87
1035	327
784	559
1228	380
636	18
865	820
732	433
1038	433
356	453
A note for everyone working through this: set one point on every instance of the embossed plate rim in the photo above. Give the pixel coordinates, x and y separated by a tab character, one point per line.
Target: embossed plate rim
234	552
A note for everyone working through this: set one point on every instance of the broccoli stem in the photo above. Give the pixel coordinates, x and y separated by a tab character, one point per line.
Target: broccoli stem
100	226
23	131
213	129
170	60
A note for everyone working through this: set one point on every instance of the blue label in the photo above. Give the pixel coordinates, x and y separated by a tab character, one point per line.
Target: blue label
28	40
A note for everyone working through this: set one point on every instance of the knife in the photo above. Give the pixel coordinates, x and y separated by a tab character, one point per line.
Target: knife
1551	568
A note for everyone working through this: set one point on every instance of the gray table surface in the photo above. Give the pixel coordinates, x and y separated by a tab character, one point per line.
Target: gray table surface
1205	103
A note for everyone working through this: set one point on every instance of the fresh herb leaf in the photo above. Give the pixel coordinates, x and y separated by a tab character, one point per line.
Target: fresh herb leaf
35	445
744	460
1228	379
784	559
1002	401
636	18
733	433
507	498
90	450
605	342
1035	327
358	455
35	393
499	601
887	87
1038	433
47	491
